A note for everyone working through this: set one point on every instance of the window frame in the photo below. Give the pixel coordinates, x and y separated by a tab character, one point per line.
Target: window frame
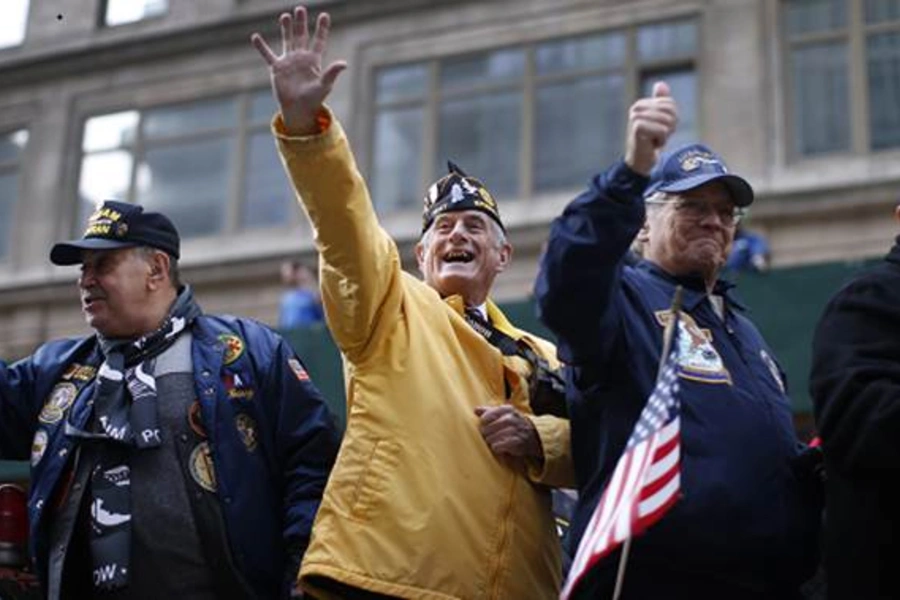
103	6
633	69
16	165
855	35
239	133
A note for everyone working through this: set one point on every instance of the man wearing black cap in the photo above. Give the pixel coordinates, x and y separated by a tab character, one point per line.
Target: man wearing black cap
174	454
440	490
742	527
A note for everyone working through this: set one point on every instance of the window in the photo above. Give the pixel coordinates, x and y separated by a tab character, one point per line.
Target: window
210	165
526	119
832	45
13	23
12	145
120	12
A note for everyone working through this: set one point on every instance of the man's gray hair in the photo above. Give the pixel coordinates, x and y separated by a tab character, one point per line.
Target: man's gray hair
147	252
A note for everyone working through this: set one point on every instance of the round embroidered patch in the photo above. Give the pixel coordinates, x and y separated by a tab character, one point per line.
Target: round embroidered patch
202	467
234	347
61	398
38	446
246	427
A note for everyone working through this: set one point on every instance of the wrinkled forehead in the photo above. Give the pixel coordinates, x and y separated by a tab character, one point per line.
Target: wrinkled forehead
110	256
467	216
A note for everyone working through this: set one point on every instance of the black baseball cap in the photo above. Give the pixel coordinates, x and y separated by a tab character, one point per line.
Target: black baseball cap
119	225
690	167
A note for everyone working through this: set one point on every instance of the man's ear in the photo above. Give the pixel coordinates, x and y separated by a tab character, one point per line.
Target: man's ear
897	213
159	269
643	235
506	252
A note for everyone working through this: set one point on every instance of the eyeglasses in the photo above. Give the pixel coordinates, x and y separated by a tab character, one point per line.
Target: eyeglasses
695	209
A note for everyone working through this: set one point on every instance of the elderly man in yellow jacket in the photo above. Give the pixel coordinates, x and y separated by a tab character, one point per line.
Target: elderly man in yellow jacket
441	486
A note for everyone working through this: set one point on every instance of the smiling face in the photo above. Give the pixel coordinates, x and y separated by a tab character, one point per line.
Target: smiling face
120	291
462	253
692	232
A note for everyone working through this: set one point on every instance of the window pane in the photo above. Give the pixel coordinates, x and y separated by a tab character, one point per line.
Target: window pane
482	135
683	84
108	132
665	41
190	118
821	98
397	163
13	23
884	89
406	82
189	183
262	107
268	199
579	128
495	67
594	52
12	145
104	176
810	16
9	193
119	12
882	10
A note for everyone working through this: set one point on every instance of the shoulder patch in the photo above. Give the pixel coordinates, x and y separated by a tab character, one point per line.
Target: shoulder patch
298	369
773	369
60	399
234	347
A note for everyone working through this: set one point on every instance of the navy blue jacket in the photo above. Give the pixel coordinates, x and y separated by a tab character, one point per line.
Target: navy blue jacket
268	484
743	526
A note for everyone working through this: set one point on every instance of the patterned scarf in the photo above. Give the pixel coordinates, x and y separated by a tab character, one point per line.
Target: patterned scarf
125	418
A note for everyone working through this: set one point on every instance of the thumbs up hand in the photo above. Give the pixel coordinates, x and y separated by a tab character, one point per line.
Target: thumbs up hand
650	123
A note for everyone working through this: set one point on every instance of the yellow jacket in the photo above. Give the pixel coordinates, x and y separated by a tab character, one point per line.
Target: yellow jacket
417	506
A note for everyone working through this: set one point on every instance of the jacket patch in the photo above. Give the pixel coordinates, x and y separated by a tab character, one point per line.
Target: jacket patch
61	398
202	467
773	369
236	388
698	358
246	427
234	347
38	446
298	369
79	372
195	420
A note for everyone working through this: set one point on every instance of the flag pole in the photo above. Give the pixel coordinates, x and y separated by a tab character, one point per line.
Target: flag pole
667	347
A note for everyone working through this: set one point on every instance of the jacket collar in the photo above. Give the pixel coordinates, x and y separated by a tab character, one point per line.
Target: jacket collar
495	315
694	287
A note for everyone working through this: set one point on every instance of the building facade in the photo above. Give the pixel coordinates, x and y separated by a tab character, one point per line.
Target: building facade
164	102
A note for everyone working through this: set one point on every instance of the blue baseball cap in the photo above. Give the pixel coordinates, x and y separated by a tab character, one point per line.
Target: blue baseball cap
119	225
691	166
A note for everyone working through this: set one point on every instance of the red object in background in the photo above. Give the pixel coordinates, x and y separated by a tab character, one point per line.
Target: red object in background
13	525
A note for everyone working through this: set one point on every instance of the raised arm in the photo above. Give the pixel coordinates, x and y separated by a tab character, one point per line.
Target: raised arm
581	267
360	267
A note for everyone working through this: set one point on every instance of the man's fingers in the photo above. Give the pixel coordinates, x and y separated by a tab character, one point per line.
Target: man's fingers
489	414
260	44
320	38
661	89
301	29
332	72
287	35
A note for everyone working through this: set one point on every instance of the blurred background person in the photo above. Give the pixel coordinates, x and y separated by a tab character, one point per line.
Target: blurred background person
300	304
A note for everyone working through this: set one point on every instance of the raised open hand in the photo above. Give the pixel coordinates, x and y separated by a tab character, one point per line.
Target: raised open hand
299	83
650	123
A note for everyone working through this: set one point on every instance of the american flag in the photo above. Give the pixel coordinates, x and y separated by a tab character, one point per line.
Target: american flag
646	481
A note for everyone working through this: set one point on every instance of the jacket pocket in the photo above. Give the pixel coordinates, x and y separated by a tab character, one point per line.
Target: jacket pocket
361	484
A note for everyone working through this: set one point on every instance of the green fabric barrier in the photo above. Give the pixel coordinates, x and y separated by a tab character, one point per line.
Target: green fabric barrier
784	303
